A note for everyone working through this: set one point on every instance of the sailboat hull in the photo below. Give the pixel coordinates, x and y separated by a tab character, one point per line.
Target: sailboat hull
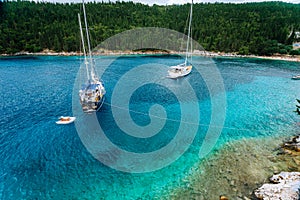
179	71
92	97
90	107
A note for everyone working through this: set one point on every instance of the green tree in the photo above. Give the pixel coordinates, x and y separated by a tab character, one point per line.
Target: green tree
249	28
295	52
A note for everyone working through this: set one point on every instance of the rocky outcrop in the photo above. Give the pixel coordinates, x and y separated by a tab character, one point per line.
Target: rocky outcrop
285	185
292	146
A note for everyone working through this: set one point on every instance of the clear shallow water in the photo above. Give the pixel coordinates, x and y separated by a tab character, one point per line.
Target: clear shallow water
42	160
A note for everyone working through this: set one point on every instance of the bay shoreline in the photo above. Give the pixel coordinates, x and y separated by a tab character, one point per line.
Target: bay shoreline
157	52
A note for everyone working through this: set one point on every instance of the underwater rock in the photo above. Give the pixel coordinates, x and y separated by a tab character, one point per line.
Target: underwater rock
285	185
222	197
296	139
292	146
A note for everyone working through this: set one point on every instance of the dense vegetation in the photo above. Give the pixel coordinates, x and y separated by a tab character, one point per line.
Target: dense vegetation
256	28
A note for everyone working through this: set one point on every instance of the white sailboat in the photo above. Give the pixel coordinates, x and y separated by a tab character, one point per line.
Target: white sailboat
184	68
92	93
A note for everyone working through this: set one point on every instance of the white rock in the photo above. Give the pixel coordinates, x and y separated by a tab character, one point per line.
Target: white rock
287	185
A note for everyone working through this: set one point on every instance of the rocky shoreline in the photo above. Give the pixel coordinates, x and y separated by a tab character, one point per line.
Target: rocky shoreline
285	185
241	168
157	52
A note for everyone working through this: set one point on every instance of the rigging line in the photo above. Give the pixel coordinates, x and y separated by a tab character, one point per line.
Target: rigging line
83	46
189	34
185	122
182	43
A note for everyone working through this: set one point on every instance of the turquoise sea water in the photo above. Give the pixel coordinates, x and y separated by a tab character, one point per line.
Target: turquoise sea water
42	160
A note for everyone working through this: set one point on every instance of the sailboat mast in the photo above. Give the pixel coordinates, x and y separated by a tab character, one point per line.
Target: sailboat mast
88	40
83	46
189	34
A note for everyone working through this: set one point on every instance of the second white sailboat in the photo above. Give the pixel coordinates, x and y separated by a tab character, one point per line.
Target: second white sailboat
184	68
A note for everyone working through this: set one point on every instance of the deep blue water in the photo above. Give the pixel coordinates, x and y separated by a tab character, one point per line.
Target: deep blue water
42	160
